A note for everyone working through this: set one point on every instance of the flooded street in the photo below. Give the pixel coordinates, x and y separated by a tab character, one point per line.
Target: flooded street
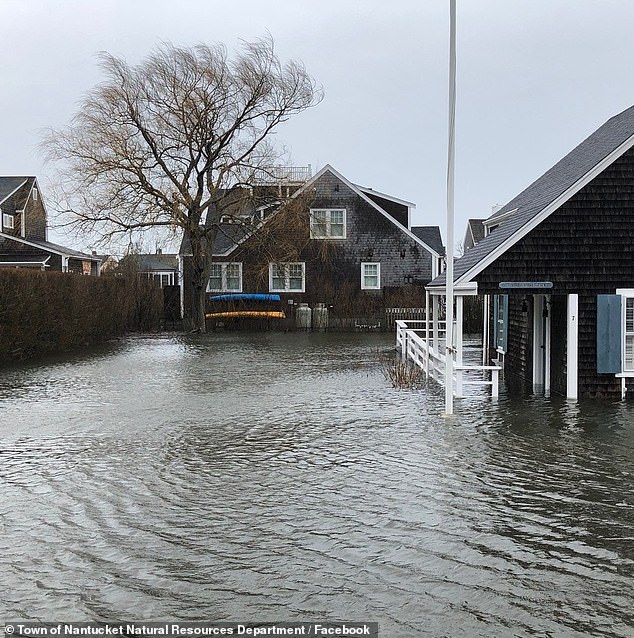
280	477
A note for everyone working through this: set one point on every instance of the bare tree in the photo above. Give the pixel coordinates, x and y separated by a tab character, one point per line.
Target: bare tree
161	144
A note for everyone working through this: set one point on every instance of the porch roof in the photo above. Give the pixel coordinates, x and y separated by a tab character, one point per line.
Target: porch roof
546	194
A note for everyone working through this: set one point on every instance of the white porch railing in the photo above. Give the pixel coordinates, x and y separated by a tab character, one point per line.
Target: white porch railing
424	346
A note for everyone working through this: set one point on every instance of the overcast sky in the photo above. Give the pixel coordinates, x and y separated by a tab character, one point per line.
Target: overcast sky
535	77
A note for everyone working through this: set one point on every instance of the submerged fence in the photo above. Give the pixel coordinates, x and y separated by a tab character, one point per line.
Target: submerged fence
424	344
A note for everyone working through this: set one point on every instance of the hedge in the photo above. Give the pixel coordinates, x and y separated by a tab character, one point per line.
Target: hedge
46	312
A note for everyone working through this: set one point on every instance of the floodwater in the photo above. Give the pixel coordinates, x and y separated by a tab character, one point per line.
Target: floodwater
279	477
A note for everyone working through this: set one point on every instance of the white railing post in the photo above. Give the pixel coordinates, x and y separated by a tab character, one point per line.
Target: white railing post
495	375
415	338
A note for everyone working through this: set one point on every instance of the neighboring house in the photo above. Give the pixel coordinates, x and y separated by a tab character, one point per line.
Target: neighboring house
556	271
163	268
107	263
332	242
23	232
473	234
430	236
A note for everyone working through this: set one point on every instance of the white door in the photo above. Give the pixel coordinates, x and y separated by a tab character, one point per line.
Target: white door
541	344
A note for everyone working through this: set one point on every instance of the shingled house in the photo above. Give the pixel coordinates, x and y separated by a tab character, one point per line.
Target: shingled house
331	242
23	232
556	272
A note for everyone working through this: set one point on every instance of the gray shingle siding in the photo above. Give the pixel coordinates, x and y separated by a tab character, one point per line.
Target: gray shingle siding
545	190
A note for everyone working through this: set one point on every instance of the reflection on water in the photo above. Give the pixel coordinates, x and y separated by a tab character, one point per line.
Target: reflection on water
279	477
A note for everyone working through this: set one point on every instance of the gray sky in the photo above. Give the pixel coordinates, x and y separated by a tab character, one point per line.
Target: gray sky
535	77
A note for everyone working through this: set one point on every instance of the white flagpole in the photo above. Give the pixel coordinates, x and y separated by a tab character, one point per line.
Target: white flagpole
449	314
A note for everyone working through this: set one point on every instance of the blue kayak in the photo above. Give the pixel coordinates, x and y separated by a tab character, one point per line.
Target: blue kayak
245	296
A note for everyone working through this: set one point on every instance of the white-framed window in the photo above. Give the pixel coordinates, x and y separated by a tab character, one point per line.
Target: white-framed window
327	223
163	279
35	194
287	277
371	275
225	277
7	221
628	335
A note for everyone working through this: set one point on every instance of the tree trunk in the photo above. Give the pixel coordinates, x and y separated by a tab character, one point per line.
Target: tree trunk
199	296
201	244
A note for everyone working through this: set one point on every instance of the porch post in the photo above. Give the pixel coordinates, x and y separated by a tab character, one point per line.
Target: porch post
485	330
459	314
427	342
547	337
434	301
538	341
427	317
572	347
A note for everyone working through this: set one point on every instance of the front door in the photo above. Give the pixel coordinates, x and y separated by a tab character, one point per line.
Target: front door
541	344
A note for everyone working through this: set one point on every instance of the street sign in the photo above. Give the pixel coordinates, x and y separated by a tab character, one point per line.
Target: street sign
526	284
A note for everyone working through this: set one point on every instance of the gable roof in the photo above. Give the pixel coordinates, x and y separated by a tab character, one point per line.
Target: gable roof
230	236
546	194
13	187
475	231
51	247
150	262
397	200
360	192
430	235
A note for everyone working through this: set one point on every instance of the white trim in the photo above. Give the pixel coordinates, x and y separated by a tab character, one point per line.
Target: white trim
625	293
378	275
287	287
396	200
47	249
572	347
468	288
496	219
171	275
16	264
541	343
328	223
181	267
15	190
532	223
223	276
5	221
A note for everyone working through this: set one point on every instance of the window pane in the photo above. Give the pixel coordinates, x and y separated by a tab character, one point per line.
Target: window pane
371	275
629	352
629	314
277	277
233	277
215	278
296	276
336	216
319	223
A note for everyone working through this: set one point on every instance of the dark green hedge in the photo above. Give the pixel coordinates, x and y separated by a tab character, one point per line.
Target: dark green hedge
46	313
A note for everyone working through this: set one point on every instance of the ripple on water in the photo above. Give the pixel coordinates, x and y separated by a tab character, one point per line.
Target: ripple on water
246	477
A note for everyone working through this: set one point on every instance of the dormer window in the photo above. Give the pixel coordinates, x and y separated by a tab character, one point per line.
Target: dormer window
7	221
35	194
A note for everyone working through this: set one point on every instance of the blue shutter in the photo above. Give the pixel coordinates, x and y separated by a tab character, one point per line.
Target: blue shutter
501	321
609	334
